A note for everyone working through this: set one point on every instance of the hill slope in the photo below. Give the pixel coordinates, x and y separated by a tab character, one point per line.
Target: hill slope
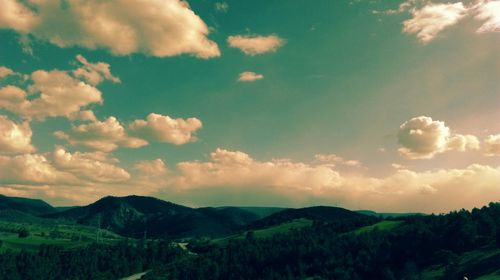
316	213
26	205
137	216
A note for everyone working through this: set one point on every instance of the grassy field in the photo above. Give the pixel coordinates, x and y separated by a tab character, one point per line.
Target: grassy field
13	242
50	233
268	232
383	225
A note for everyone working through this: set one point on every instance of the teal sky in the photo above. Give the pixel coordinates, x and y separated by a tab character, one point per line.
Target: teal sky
345	77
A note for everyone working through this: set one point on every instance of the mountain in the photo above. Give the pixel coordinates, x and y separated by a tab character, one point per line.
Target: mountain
316	213
126	215
26	205
136	216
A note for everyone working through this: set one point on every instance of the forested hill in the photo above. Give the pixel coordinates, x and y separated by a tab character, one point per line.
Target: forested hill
453	246
136	216
25	205
316	213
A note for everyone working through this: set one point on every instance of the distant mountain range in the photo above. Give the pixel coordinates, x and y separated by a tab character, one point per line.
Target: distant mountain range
138	216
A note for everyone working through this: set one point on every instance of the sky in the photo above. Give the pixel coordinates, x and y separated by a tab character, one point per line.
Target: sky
385	105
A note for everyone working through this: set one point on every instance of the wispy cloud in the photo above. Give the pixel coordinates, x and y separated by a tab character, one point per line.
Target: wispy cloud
430	19
221	7
254	45
249	76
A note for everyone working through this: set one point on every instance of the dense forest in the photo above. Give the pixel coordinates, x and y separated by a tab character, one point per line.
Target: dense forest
327	251
461	243
96	261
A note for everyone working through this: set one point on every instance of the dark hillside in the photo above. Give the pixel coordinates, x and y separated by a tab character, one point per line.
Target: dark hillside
317	213
26	205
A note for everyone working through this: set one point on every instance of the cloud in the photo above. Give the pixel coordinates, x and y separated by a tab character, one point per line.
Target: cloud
250	76
153	27
423	138
94	73
489	11
236	169
461	143
86	115
492	145
221	7
4	72
334	159
164	129
15	15
430	20
103	136
57	93
234	177
254	45
15	138
31	169
230	177
151	168
49	94
95	167
110	134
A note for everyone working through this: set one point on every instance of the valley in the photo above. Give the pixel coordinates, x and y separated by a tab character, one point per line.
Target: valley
183	235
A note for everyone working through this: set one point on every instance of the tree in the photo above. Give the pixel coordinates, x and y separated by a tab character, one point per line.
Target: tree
23	233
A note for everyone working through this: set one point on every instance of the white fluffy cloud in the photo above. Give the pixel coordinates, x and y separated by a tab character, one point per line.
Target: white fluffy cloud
254	45
96	167
489	12
492	145
422	138
234	177
15	137
248	76
110	134
63	176
31	169
49	94
103	136
430	20
235	168
94	73
164	129
57	93
4	72
153	27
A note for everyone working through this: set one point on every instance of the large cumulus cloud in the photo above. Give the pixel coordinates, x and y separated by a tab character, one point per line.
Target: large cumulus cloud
154	27
422	138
